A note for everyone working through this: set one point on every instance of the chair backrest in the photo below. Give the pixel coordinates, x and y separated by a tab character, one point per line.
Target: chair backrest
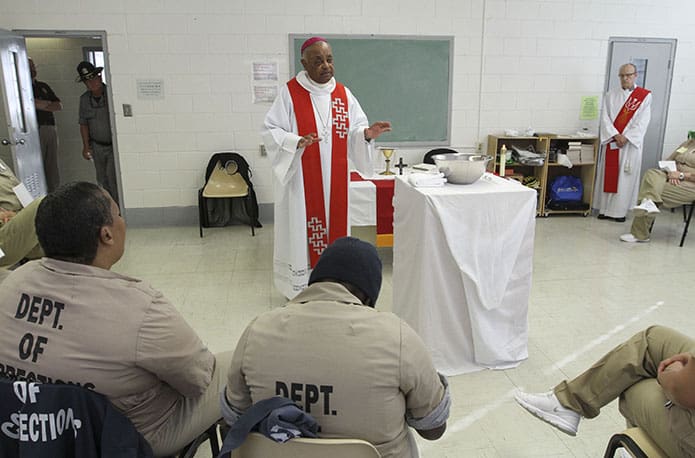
63	421
427	158
258	446
223	157
224	182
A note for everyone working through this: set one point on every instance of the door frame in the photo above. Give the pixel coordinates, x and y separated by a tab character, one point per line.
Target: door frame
667	96
101	35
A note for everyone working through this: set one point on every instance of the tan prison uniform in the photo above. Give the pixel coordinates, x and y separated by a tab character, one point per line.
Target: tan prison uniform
655	187
17	236
356	370
68	322
629	371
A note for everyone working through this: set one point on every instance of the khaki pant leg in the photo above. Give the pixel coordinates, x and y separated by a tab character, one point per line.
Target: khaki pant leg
192	416
655	187
105	167
673	429
18	236
630	362
652	185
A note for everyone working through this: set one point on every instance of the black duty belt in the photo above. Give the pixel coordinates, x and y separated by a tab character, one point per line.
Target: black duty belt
102	143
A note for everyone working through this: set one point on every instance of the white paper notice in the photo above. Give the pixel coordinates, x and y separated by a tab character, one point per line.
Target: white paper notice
23	194
668	166
2	254
265	71
264	94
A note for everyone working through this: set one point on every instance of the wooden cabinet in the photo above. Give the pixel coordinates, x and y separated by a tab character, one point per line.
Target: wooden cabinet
581	150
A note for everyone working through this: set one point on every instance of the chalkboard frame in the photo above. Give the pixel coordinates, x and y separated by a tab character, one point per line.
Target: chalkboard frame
400	50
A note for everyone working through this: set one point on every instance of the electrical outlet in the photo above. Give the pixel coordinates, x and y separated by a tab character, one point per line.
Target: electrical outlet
262	149
127	110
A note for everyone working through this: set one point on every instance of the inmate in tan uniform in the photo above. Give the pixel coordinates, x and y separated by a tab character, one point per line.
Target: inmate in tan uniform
655	186
17	236
70	322
356	370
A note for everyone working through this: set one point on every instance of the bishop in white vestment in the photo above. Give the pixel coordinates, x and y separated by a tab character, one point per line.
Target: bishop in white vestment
616	205
296	243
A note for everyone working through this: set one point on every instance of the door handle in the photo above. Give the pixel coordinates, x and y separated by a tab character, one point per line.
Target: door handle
5	141
19	142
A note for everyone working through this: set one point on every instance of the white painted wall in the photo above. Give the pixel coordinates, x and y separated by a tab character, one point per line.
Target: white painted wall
518	63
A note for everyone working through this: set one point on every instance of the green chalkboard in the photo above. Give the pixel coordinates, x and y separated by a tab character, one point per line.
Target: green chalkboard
402	79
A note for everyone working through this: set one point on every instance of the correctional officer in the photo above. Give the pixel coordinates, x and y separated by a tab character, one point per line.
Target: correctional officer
95	127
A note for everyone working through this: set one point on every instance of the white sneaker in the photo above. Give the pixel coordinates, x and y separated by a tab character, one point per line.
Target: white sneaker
629	238
547	407
647	205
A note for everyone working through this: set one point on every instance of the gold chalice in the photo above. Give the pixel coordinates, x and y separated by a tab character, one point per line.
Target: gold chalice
388	153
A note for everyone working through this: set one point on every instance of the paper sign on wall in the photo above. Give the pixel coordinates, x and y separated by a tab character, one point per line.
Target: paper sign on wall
589	109
150	89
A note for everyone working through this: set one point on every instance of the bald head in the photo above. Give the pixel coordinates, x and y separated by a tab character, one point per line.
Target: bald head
627	74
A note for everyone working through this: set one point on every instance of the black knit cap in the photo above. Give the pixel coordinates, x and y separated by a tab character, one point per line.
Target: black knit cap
352	261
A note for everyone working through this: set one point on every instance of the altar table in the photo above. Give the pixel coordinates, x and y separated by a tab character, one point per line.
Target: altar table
462	264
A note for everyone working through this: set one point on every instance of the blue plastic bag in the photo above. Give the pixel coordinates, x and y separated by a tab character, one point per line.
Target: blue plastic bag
566	188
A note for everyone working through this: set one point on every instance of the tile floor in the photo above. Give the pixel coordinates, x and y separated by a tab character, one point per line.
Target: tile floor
590	292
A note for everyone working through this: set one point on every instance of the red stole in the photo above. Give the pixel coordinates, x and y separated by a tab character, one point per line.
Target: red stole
320	231
612	162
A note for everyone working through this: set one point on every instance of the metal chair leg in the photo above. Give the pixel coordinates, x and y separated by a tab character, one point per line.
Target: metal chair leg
687	221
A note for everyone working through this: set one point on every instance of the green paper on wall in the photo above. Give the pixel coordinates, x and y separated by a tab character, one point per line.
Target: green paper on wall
589	108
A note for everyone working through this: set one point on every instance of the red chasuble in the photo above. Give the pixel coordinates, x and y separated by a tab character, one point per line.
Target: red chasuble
612	169
319	232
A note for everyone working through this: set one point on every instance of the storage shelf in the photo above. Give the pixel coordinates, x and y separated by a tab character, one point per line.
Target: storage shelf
543	144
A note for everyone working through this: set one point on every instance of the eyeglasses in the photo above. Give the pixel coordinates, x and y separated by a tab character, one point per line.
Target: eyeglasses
627	75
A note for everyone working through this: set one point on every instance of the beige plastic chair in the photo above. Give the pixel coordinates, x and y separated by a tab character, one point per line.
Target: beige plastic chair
636	442
257	445
225	182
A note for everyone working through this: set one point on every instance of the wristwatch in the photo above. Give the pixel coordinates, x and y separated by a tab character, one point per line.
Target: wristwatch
681	176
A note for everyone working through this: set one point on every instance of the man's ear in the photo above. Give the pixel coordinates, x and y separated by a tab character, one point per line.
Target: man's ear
105	235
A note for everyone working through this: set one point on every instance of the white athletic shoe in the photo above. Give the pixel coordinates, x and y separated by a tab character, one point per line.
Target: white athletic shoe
547	407
647	205
629	238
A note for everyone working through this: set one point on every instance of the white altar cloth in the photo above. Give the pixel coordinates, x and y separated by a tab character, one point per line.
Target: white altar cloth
462	264
362	203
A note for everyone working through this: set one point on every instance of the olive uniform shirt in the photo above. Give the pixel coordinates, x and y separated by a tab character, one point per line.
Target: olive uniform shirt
8	180
355	369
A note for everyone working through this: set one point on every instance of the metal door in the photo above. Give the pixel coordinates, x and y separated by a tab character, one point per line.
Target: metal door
653	58
19	131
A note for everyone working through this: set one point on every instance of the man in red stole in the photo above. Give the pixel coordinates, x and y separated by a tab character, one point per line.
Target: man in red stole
310	131
624	121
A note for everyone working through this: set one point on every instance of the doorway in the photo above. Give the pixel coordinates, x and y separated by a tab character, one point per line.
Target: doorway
654	59
56	55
